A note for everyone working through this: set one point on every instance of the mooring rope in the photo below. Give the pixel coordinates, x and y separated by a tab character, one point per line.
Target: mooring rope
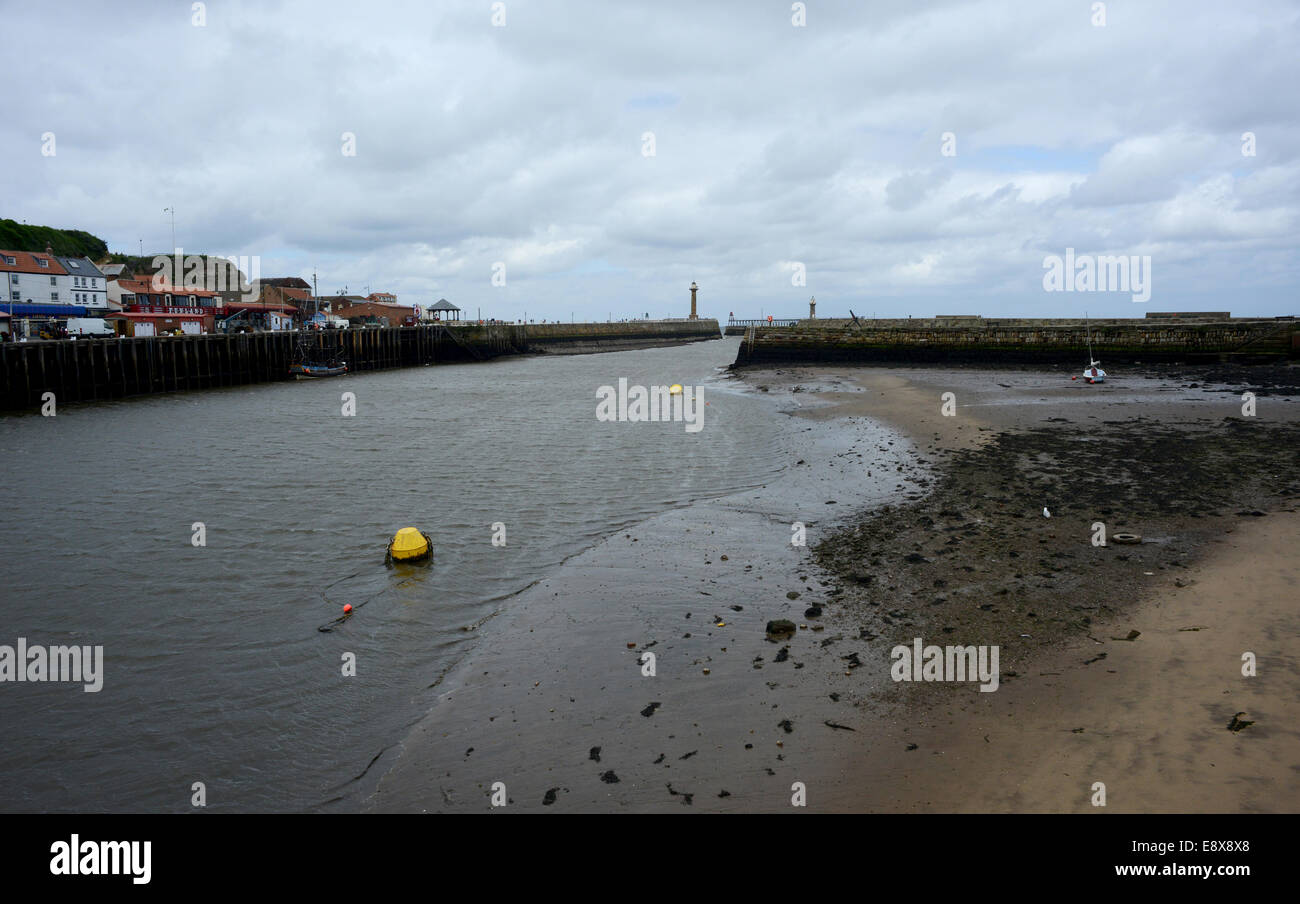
334	623
331	625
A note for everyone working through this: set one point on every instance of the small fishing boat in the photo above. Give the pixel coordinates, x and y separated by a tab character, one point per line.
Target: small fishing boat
311	361
1093	372
316	371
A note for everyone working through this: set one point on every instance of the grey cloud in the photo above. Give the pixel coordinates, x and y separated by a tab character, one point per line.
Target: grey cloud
773	143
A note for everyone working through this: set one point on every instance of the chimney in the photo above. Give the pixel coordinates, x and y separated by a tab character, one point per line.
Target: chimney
49	249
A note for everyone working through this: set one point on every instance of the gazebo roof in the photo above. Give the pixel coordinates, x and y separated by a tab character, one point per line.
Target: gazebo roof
443	305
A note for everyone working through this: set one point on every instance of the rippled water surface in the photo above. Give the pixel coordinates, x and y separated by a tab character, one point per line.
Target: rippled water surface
214	668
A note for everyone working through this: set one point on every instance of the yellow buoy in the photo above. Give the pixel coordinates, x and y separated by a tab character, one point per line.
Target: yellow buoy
675	389
410	545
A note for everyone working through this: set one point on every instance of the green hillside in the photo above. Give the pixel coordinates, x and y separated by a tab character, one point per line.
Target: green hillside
15	236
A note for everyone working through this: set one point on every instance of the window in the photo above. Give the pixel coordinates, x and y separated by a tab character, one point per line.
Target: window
16	295
13	278
43	262
73	264
10	260
54	281
54	296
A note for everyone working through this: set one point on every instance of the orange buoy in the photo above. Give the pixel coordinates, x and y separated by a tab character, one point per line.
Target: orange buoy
347	608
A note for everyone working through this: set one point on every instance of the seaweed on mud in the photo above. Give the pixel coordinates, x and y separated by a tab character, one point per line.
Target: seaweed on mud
1013	577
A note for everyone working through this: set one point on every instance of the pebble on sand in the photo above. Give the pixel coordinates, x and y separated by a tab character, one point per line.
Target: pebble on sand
780	629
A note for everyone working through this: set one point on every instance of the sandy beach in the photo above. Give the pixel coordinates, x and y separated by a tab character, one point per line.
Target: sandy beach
1119	664
1213	495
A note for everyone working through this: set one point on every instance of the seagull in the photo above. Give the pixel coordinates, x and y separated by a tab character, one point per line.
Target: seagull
1046	513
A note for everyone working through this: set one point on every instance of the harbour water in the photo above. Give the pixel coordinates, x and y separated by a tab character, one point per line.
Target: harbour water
214	670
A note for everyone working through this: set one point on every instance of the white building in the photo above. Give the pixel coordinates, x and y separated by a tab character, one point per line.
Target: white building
86	286
119	295
32	278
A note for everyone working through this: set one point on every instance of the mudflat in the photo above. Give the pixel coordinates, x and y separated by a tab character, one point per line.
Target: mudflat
1120	664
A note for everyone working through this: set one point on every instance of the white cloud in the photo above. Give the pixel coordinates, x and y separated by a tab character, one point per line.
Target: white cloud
819	144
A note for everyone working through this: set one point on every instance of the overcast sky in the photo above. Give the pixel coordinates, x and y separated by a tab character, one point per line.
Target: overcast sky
525	144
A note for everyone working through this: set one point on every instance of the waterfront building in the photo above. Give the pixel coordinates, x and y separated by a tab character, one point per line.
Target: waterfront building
286	297
85	285
139	323
34	292
378	313
152	306
33	278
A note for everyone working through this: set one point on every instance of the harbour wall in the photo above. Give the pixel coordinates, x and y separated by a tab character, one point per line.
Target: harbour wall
584	338
85	370
969	340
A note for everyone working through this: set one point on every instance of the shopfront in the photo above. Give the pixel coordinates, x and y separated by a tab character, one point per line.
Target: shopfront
140	324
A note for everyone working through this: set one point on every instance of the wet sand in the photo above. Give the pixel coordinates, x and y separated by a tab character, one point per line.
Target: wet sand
1150	721
1213	495
941	537
555	704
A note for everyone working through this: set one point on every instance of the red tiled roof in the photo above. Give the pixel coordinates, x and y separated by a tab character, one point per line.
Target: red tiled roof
26	262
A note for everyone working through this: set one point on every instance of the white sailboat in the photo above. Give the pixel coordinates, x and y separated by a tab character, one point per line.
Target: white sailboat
1093	372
